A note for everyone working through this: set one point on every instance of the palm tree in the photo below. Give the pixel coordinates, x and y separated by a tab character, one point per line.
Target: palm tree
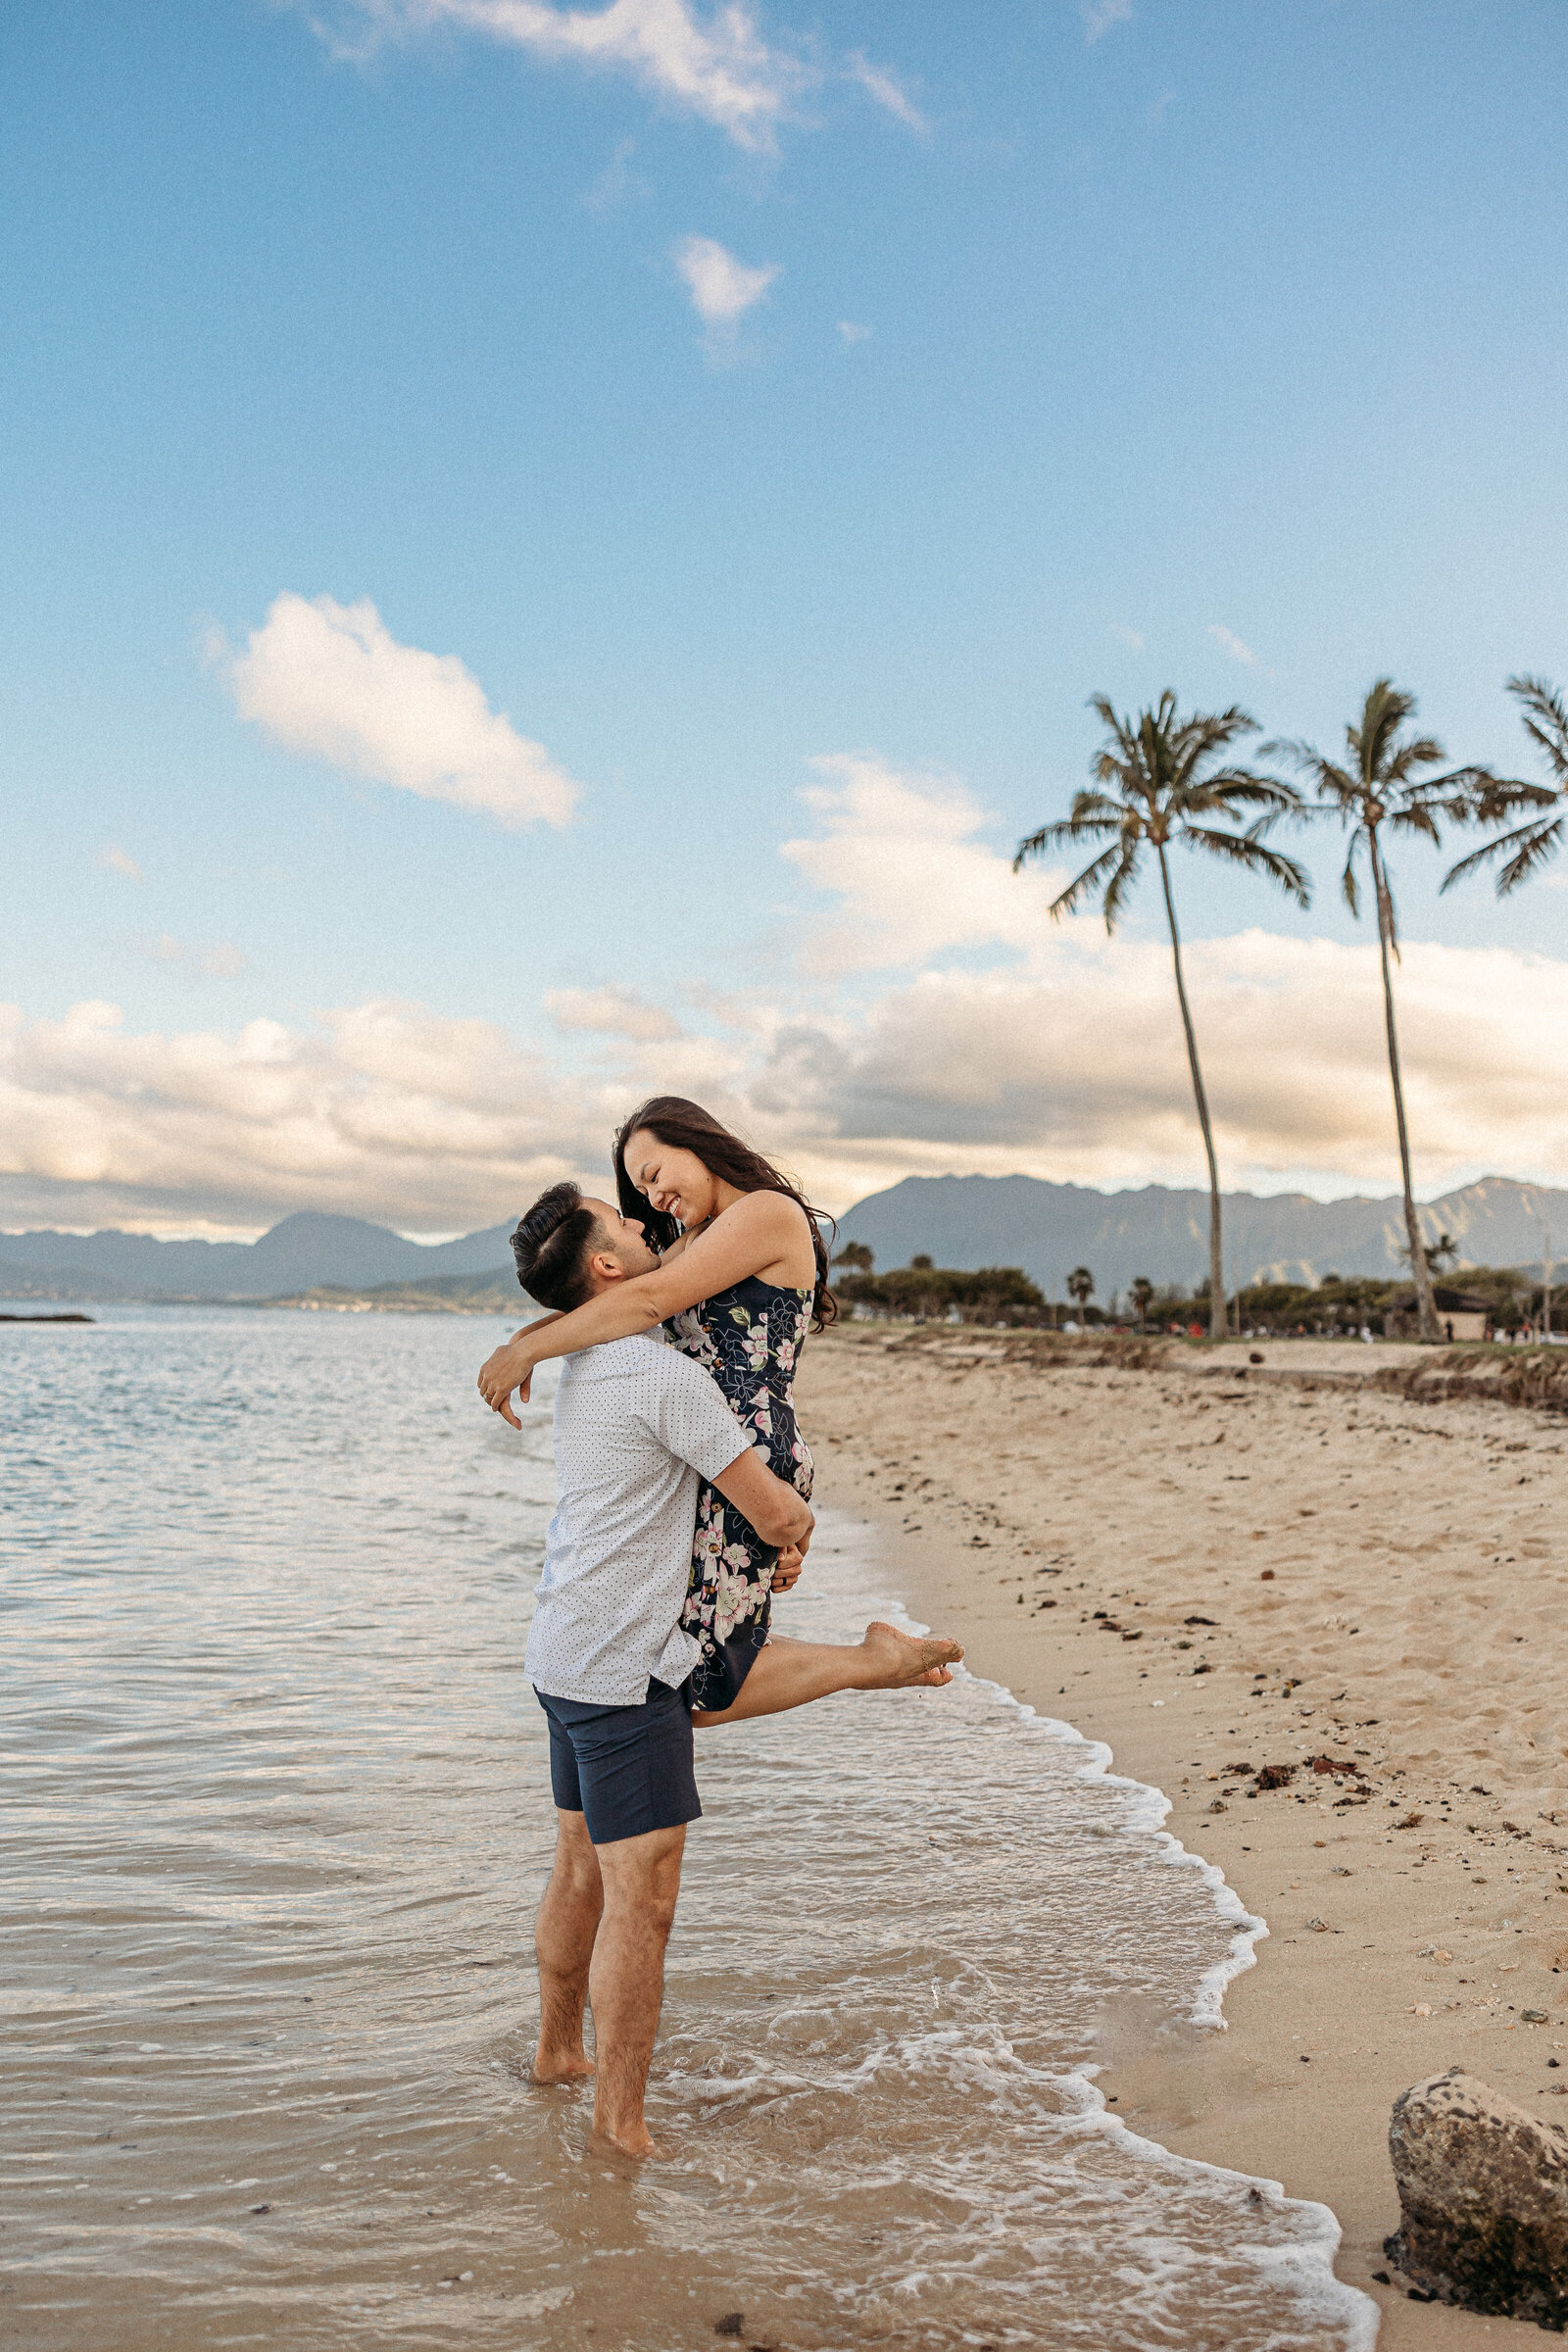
1081	1286
1143	1293
1530	845
857	1256
1379	788
1158	785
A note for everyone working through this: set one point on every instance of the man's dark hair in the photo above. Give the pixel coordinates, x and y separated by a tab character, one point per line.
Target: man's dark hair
552	1247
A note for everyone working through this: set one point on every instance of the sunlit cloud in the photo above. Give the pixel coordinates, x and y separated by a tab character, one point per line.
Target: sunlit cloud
1099	16
117	861
225	961
1229	643
851	331
885	89
330	682
718	67
722	288
1128	637
901	855
609	1012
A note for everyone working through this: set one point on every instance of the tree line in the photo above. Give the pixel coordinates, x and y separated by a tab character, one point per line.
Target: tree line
1162	780
1005	1294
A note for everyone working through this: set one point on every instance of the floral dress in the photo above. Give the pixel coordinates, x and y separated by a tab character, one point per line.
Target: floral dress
748	1337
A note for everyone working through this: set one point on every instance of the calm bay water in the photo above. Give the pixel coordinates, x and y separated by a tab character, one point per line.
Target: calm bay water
278	1815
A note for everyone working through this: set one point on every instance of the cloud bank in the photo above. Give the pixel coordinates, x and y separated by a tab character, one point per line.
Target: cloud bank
940	1022
330	682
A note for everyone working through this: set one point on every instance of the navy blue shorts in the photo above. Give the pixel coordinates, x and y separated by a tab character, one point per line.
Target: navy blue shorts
627	1770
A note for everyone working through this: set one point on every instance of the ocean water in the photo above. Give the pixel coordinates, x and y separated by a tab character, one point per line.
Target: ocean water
278	1815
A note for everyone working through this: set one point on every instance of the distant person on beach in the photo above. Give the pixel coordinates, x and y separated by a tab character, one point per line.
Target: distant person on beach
640	1432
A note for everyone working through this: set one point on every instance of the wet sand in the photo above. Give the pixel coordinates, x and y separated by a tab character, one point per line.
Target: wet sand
1386	1583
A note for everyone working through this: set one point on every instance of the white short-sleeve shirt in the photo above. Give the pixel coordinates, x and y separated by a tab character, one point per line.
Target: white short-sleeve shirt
637	1424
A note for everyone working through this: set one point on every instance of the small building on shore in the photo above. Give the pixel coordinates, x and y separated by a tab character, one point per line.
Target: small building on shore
1462	1315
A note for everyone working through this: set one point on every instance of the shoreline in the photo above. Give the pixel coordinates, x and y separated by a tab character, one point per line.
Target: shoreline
1397	1577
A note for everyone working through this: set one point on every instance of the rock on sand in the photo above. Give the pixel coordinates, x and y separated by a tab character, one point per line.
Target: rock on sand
1483	2198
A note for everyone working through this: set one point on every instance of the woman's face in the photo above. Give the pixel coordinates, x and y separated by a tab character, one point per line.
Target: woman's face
670	1180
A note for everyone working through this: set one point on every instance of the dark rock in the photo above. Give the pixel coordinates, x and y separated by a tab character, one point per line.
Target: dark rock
1275	1776
1484	2201
732	2323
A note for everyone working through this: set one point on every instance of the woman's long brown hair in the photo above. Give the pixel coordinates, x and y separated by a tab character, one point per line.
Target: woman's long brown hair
687	1127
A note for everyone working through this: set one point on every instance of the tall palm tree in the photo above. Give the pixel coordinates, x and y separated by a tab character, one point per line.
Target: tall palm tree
1545	718
1159	785
1380	790
1081	1286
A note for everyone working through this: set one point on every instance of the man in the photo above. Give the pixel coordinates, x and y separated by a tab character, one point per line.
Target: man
637	1424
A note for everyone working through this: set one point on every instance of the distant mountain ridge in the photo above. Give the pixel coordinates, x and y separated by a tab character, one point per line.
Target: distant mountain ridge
964	1221
1047	1229
304	1252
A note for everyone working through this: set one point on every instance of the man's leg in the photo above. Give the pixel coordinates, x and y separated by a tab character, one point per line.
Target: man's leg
790	1674
626	1982
563	1937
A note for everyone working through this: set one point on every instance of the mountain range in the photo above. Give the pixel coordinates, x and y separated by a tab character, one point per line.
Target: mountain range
1047	1229
299	1254
966	1221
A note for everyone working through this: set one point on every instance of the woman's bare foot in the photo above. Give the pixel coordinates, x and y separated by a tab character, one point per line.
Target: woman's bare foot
896	1661
560	2066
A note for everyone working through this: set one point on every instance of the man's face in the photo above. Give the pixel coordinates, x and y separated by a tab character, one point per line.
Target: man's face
621	1238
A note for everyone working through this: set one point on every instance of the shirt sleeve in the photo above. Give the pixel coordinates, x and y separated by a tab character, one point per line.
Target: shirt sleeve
685	1411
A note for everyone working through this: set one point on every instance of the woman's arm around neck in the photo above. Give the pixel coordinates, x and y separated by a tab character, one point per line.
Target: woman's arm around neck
761	1234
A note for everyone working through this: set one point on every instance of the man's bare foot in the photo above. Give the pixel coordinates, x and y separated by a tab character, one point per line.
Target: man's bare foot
634	2140
896	1661
561	2066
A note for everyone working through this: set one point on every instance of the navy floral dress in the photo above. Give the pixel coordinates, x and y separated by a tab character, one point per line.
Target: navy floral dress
750	1339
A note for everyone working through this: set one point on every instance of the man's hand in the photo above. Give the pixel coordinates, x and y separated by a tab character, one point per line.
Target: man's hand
509	1368
787	1567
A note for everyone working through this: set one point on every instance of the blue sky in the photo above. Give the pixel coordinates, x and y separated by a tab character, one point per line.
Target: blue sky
1072	348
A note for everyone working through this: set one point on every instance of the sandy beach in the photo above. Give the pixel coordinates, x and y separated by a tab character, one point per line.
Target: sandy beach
1380	1611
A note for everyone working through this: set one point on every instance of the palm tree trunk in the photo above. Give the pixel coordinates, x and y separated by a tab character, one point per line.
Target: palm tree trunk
1426	1305
1216	1253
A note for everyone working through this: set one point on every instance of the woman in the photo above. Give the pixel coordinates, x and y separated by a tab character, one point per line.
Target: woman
742	1275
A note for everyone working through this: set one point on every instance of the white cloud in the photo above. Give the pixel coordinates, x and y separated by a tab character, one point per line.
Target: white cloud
120	861
611	1012
381	1110
1074	1067
717	67
1127	636
886	89
900	855
852	332
722	289
330	682
1067	1060
1100	15
1040	1048
615	182
1229	643
220	963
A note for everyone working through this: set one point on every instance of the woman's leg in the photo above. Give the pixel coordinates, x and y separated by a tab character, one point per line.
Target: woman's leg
790	1674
